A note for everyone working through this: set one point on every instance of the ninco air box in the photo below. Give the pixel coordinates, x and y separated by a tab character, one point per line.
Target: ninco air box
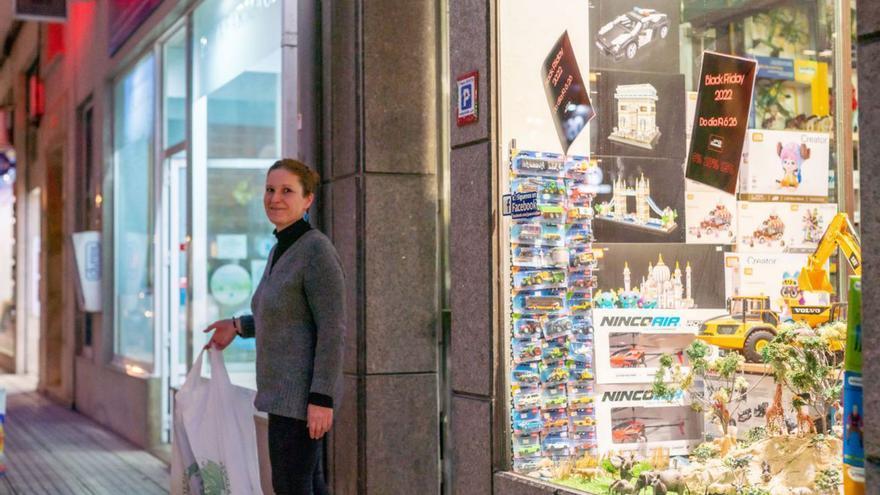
629	418
629	342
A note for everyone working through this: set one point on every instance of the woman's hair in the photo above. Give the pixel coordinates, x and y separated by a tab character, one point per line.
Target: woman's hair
308	177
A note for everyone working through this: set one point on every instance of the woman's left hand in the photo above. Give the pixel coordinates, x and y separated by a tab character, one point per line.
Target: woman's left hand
320	419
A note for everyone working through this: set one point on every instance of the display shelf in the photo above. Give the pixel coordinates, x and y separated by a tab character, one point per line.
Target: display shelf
551	283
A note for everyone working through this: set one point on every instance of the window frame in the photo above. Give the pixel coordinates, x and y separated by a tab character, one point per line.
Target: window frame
128	364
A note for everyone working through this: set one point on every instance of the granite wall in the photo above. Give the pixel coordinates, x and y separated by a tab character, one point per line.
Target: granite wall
868	25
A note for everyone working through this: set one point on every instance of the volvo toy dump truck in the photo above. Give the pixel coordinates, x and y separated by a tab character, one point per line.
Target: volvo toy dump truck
751	323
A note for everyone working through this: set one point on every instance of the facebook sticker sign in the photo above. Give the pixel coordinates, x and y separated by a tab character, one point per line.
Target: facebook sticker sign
467	98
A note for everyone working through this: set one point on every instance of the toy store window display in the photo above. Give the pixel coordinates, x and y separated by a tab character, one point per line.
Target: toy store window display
664	335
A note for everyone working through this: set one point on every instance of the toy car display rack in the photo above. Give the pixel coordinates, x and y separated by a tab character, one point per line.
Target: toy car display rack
552	282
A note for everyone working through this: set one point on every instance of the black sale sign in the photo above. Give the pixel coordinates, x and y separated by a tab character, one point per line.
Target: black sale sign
567	94
723	103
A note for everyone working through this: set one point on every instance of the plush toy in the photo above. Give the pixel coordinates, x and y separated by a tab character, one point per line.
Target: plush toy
605	300
792	156
628	299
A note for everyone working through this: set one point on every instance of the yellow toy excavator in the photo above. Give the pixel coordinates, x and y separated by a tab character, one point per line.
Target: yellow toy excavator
751	323
813	279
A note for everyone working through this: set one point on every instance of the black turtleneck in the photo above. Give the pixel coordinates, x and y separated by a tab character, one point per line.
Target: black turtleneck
287	237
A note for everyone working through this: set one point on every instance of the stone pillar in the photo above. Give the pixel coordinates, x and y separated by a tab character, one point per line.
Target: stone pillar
868	21
380	135
474	447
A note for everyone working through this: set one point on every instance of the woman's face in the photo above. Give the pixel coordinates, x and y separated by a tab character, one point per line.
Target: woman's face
284	200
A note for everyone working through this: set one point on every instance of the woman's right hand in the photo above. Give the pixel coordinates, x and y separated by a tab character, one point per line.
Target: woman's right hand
224	334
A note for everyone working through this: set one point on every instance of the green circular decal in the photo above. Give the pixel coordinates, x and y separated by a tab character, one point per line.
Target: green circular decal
231	285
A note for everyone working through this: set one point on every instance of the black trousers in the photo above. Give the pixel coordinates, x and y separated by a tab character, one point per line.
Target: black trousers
296	459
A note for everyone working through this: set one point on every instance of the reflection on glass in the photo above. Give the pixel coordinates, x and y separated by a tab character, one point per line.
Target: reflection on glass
174	86
236	133
177	248
7	259
132	243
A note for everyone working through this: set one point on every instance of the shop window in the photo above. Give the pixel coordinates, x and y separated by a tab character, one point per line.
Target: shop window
236	137
617	267
8	267
133	100
174	89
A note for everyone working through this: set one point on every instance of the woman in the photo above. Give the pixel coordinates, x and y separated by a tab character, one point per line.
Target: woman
297	319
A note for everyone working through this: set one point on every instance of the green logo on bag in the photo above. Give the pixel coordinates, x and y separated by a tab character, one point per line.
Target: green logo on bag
215	480
212	477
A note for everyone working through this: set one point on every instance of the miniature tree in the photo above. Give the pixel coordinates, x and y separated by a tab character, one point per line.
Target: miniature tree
828	481
725	388
803	360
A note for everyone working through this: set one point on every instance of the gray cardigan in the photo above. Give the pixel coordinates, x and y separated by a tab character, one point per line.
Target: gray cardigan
298	321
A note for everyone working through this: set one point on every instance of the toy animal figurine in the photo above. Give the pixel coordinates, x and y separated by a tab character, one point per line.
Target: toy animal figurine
766	476
673	481
659	487
805	424
622	487
792	157
761	409
645	479
624	465
775	417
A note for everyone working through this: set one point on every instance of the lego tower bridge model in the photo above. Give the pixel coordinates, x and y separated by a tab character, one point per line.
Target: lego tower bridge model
618	209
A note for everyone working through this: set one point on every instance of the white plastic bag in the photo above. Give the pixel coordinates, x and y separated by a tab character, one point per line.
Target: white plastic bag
214	449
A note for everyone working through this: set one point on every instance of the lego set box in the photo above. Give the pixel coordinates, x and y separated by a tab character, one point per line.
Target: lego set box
662	276
710	217
782	227
765	274
785	166
640	201
643	115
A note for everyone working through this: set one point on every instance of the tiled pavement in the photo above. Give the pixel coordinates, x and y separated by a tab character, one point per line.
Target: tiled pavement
53	450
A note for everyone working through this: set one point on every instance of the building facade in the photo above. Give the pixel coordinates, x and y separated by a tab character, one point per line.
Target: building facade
158	123
153	126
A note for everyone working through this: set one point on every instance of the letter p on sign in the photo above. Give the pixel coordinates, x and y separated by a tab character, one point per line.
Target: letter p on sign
467	98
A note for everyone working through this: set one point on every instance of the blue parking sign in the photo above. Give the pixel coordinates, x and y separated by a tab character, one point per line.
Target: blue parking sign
467	98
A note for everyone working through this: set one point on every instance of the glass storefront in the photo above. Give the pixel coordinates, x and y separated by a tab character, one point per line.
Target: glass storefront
219	130
133	100
619	265
7	253
236	137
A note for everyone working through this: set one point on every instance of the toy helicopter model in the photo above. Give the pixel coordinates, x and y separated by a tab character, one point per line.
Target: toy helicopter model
634	429
634	355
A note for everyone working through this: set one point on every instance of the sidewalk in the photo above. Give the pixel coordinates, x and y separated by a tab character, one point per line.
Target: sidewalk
53	450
